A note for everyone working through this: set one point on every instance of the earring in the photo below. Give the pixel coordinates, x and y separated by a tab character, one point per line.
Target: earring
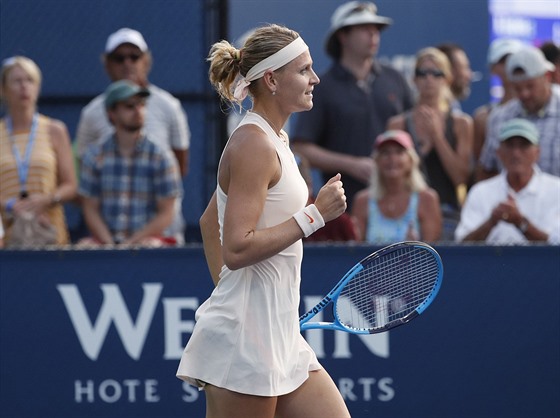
274	93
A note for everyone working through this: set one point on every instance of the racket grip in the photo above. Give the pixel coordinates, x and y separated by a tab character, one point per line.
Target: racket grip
309	219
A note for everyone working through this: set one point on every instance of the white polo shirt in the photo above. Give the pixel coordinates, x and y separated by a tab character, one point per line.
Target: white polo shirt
539	202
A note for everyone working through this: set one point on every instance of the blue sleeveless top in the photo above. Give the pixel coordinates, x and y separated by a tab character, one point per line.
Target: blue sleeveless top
381	229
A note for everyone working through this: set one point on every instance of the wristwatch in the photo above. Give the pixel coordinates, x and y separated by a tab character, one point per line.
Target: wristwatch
523	225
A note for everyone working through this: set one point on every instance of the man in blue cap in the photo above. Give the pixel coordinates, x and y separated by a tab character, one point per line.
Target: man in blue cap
128	183
519	205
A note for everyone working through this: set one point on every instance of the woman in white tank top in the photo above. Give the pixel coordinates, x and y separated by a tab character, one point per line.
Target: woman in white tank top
246	350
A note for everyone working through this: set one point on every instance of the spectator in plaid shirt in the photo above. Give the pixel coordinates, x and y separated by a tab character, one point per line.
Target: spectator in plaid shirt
128	183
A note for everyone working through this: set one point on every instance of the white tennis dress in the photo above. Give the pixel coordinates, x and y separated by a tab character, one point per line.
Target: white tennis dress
247	338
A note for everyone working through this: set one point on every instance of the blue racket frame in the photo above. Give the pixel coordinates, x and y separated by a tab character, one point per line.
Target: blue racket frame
333	295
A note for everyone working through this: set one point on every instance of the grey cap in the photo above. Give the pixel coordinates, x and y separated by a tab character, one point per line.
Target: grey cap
501	47
519	127
351	14
530	60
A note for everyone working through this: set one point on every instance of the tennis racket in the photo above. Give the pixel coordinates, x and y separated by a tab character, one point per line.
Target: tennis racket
386	289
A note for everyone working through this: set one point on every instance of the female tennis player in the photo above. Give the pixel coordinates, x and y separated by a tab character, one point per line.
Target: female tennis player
246	350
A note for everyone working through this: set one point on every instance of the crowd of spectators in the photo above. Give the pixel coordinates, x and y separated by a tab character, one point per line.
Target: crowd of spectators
413	163
359	98
131	150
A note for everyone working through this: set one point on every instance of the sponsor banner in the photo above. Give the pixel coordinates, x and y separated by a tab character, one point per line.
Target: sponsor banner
100	334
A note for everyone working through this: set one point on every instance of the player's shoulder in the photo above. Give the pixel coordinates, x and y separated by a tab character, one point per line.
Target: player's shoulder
249	140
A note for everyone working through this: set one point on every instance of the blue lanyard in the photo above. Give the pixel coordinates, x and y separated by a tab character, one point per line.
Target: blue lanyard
22	164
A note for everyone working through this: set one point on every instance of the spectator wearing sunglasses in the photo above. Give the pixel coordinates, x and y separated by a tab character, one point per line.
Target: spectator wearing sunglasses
127	57
354	101
443	137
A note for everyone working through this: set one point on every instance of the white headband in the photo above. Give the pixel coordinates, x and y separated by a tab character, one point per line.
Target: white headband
275	61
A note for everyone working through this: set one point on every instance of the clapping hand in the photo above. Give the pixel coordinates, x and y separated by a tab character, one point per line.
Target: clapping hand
507	211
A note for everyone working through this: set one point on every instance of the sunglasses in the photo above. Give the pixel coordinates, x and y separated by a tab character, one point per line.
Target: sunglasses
119	58
419	72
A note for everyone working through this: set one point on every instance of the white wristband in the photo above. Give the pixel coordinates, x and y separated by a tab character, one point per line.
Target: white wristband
309	220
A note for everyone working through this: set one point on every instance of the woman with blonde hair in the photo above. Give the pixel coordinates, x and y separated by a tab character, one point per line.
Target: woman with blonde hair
443	138
246	349
398	205
36	166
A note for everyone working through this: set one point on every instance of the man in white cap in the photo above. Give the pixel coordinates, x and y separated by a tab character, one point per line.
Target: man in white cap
498	52
522	203
530	74
354	101
127	57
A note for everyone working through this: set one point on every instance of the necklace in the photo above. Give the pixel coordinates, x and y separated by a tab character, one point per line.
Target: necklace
272	125
22	163
277	131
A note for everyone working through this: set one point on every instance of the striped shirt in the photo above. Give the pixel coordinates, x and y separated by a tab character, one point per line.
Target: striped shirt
547	122
128	187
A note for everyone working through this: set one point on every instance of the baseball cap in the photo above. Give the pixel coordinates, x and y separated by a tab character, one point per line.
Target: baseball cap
351	14
529	59
499	48
519	127
125	36
123	90
400	137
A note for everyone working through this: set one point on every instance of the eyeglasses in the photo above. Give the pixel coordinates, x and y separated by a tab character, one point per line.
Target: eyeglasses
119	58
420	72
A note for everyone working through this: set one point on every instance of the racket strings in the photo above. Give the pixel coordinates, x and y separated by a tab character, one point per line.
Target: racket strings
388	289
